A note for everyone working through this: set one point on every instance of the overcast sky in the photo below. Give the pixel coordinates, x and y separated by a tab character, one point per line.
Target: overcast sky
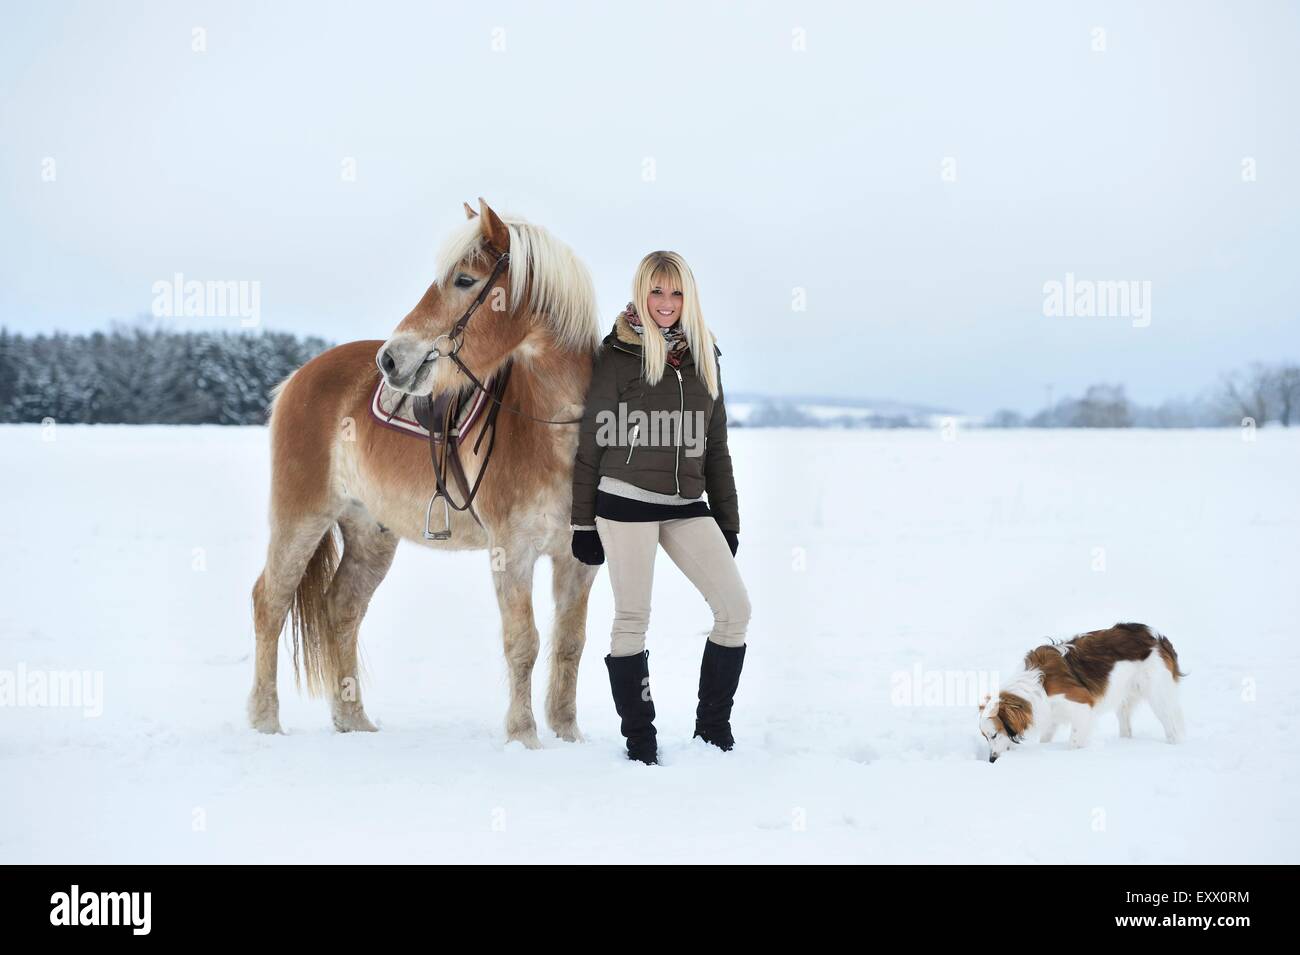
920	170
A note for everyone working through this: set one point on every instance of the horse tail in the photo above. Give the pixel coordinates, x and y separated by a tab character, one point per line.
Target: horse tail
301	505
315	644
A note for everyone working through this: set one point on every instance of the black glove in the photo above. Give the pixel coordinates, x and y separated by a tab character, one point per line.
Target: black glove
588	548
733	541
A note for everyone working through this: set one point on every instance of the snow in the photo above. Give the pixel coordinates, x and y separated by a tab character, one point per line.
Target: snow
130	552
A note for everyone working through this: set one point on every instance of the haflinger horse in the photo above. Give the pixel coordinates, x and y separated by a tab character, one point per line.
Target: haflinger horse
336	470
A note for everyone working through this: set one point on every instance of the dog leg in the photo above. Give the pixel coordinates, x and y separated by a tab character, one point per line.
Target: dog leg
1080	725
1048	730
1126	719
1163	697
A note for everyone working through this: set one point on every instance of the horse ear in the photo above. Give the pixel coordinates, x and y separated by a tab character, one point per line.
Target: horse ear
494	230
469	211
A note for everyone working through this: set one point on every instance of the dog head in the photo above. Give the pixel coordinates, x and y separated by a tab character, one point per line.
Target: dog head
1004	720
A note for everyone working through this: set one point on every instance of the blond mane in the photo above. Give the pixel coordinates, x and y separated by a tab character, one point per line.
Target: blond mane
557	284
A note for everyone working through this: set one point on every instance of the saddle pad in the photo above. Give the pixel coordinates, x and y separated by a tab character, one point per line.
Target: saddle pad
388	408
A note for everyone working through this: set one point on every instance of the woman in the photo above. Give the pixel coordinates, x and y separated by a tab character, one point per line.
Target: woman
653	442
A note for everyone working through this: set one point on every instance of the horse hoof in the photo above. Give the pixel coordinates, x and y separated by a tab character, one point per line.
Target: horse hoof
569	732
354	723
264	715
528	738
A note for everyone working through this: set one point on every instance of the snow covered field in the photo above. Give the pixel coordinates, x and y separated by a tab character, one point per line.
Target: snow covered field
882	565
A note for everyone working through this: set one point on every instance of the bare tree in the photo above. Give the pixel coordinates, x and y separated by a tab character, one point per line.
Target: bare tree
1005	418
1102	406
1286	383
1250	393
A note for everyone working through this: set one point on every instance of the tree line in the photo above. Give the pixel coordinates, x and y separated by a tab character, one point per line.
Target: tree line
1263	393
146	376
142	375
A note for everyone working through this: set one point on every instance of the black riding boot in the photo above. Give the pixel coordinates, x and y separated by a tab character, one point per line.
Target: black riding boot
629	679
719	674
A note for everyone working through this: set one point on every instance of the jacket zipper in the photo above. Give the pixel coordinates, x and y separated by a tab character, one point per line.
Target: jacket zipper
632	442
681	413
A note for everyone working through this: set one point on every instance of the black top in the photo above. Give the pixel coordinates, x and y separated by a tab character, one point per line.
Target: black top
616	507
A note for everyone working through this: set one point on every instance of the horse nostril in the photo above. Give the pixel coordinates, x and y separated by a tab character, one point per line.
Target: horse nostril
386	363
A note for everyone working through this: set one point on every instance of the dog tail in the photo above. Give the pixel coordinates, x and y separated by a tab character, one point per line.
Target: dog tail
1168	654
1162	645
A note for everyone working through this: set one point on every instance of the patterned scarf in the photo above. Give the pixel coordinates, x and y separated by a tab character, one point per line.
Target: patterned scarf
674	336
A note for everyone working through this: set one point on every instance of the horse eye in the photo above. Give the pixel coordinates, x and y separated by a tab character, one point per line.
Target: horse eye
465	281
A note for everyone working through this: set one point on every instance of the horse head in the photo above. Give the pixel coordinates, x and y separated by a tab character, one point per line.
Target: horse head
478	279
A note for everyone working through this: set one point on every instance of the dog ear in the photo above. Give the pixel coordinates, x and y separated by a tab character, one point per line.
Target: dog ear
1009	715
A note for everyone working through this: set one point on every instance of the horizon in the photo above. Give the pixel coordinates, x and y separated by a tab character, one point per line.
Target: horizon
1203	393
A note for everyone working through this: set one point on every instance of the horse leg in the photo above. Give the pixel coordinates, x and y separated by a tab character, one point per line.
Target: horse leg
571	584
513	581
291	549
368	551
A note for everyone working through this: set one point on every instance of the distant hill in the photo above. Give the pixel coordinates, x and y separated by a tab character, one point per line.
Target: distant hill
755	410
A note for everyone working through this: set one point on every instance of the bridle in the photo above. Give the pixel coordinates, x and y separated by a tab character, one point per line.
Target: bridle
456	335
439	414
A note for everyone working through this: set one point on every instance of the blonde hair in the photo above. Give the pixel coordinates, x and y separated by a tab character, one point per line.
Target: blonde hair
654	351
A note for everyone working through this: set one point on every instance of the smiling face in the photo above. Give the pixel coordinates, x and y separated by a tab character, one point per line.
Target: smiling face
664	303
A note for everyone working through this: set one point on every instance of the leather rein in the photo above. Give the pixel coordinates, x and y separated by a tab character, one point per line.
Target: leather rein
439	414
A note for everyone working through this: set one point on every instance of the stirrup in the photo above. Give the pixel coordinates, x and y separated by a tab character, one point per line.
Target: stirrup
431	535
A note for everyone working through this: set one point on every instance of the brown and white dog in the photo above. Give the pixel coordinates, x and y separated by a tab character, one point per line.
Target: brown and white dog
1074	681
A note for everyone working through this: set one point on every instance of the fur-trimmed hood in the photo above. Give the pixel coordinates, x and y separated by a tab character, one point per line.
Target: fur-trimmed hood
624	332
